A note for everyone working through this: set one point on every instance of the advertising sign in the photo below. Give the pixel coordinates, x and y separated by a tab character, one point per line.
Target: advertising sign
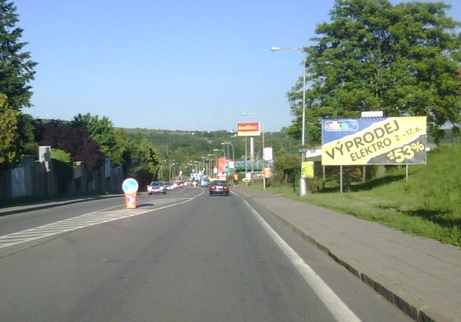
307	169
222	164
268	154
362	141
248	129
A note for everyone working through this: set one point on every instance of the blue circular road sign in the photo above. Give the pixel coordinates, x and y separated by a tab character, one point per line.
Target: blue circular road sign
130	186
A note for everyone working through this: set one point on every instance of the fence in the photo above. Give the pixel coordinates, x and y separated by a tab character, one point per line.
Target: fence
32	178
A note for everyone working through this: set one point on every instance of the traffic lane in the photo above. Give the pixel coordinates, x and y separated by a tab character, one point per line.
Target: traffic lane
367	304
27	216
208	260
205	260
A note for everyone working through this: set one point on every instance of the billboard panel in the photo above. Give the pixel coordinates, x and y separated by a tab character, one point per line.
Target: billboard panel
361	141
222	164
248	129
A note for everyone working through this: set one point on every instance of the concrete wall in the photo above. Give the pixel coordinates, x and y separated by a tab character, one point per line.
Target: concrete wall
33	178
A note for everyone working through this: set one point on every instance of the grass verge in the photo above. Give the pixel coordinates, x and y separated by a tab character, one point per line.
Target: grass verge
428	204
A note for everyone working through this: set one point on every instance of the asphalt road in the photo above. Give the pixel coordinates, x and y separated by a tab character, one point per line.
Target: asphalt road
185	256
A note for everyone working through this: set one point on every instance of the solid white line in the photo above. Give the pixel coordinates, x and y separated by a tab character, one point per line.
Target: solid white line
334	304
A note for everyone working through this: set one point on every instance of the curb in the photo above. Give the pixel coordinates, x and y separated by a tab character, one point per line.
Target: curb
404	301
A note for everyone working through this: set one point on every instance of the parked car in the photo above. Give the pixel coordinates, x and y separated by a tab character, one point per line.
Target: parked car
219	187
156	187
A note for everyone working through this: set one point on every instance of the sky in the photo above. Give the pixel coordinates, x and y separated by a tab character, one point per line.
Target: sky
170	64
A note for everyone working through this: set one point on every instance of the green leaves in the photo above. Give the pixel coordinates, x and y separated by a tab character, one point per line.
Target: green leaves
9	153
16	66
375	56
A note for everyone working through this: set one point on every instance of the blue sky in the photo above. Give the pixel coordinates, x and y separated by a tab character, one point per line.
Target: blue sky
170	64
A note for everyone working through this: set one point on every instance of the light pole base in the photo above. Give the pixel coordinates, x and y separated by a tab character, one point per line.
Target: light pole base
302	187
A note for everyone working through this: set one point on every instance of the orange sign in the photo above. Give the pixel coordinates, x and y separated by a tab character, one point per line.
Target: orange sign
130	200
248	129
267	172
222	164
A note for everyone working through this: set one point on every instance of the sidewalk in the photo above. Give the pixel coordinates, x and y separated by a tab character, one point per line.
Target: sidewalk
420	276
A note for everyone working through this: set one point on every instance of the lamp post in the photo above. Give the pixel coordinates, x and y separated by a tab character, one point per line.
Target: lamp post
216	161
303	125
302	182
170	170
223	153
263	145
233	152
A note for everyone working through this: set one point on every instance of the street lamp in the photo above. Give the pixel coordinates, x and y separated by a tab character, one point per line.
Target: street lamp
303	131
233	152
170	170
223	153
263	145
216	161
302	182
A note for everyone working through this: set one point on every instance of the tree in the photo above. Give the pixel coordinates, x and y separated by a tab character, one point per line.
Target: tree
287	166
9	152
63	167
72	140
145	162
102	131
16	66
16	72
121	152
375	56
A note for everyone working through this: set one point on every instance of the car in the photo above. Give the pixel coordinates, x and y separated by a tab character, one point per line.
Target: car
204	183
180	184
168	186
219	187
156	187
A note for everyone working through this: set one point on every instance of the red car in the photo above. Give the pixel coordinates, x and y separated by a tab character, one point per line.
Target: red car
219	187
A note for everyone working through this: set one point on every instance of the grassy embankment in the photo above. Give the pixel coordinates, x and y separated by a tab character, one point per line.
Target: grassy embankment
427	205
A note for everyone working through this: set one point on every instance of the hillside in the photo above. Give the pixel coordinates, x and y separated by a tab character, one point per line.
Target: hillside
195	144
428	204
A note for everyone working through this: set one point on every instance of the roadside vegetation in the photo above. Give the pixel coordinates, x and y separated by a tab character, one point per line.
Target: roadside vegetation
428	204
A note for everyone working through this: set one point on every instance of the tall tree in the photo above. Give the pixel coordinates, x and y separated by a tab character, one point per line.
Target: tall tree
122	155
145	162
9	119
375	56
16	66
16	72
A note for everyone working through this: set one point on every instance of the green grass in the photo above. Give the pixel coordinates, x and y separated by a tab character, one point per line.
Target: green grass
427	205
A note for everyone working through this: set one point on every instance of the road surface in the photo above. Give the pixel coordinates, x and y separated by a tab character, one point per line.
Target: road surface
184	256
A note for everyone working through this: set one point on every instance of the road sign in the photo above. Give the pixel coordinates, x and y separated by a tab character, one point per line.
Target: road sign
130	186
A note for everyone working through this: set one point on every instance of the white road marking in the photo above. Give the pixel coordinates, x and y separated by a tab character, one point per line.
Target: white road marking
83	221
335	305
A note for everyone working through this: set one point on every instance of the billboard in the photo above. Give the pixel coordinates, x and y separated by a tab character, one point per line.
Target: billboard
222	164
362	141
248	129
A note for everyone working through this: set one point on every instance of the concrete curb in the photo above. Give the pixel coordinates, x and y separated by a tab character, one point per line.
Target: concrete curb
406	302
